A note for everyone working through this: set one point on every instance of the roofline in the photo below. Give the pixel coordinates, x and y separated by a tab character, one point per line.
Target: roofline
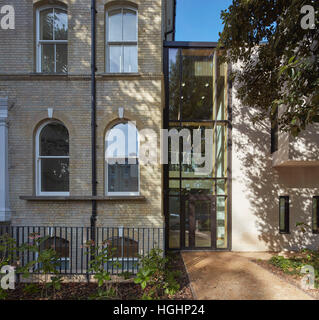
189	44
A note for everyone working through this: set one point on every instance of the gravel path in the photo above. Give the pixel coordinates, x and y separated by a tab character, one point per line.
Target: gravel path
234	276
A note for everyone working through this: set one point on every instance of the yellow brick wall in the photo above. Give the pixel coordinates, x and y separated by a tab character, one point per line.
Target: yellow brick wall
30	95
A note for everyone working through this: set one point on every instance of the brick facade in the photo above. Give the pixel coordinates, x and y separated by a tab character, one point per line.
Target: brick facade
31	94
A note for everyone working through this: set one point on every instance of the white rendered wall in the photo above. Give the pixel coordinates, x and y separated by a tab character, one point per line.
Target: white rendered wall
257	185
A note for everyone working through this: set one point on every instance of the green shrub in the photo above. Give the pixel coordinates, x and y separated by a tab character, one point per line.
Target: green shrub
100	257
155	277
47	263
293	265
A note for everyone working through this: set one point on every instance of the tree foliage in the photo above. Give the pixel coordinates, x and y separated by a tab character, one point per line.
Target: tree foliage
280	60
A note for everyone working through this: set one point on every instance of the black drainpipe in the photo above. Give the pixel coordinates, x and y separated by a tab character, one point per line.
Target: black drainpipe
93	118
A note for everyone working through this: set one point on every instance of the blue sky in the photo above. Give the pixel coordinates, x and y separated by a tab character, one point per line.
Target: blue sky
199	20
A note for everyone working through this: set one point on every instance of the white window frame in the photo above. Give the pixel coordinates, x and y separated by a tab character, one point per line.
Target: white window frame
122	194
122	43
38	158
39	42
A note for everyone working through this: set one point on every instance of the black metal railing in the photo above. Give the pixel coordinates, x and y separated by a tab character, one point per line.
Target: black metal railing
73	245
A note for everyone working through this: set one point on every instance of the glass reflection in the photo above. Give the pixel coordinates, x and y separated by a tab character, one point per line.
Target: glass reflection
174	222
202	226
54	175
54	140
174	84
60	25
198	187
197	100
221	222
197	84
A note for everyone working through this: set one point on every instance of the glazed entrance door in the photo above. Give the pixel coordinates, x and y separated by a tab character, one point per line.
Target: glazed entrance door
201	222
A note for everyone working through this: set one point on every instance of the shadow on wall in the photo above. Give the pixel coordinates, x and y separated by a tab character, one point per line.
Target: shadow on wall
306	145
264	184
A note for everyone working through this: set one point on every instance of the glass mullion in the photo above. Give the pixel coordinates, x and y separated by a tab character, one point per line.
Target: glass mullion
226	93
54	157
180	84
225	151
53	25
122	58
215	86
127	42
53	41
122	16
55	58
215	144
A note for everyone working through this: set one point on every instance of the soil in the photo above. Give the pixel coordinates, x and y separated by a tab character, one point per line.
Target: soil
83	291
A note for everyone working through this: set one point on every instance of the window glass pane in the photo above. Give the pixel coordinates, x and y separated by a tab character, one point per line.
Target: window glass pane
197	84
202	211
220	92
122	177
130	58
129	25
47	58
54	175
54	140
221	222
60	245
174	84
220	186
174	222
122	141
201	159
115	58
123	247
61	58
173	159
46	24
115	25
220	151
60	24
198	187
174	186
282	213
315	214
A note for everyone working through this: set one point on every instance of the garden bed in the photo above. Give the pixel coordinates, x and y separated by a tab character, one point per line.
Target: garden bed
288	267
127	290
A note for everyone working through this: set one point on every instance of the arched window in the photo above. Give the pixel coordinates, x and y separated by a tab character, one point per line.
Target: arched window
61	247
121	160
52	159
124	247
121	40
125	252
52	39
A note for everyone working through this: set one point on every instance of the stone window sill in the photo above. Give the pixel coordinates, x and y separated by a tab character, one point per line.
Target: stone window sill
82	198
